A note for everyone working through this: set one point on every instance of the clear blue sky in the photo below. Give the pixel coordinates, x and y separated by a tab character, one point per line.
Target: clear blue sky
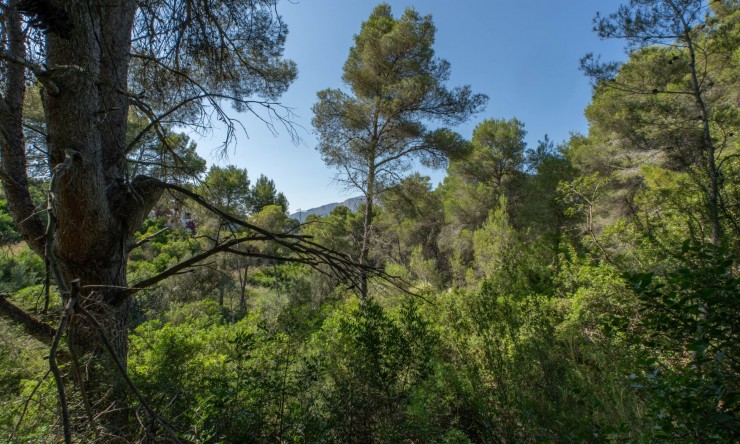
522	54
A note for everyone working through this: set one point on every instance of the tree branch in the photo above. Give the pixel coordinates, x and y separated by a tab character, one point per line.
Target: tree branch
147	239
176	269
63	323
35	328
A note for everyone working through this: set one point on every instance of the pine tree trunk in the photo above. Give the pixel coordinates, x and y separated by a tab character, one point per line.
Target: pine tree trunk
707	148
101	380
95	207
366	231
243	288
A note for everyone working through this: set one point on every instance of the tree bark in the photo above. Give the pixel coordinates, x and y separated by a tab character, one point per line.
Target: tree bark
96	208
243	288
12	141
366	230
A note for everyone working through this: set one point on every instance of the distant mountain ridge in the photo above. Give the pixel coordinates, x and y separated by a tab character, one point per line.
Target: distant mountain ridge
353	203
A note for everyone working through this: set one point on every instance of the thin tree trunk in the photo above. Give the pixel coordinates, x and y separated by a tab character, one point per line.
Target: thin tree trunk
367	230
12	140
708	151
243	288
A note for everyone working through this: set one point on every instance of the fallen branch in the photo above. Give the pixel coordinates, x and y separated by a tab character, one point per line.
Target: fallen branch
35	328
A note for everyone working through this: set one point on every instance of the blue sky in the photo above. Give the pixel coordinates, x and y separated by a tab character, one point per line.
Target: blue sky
522	54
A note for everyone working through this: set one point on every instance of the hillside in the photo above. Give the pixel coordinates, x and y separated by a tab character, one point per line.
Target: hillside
352	203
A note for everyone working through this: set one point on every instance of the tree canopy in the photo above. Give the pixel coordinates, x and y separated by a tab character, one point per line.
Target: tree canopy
397	88
577	291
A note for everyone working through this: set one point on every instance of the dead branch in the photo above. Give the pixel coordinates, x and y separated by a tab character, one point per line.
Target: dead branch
178	268
300	247
63	323
35	328
83	392
147	239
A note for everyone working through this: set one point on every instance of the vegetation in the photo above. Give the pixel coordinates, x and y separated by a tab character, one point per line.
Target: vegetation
585	292
397	86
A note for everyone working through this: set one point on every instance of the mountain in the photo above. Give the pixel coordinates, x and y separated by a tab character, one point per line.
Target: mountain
352	203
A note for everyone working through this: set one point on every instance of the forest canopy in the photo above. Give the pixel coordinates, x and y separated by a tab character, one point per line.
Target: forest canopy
583	291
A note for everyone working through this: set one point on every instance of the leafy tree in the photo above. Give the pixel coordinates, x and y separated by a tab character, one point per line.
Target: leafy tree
412	216
682	53
228	187
397	85
542	210
690	381
494	168
498	152
474	185
264	193
496	242
175	62
341	230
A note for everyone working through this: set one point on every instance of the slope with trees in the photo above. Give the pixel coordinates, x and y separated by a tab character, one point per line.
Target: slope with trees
173	63
573	292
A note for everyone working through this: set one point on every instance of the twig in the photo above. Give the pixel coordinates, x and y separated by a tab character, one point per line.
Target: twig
83	392
63	323
25	406
147	239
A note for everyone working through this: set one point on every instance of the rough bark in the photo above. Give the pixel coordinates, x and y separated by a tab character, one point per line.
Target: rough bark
96	207
12	142
366	231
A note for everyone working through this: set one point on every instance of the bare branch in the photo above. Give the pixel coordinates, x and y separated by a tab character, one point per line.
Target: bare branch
299	247
63	323
147	239
178	268
38	70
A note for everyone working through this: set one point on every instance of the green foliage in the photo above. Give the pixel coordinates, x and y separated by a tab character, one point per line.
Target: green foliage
22	366
496	243
20	268
264	193
7	227
411	220
566	293
493	169
165	155
374	134
688	333
369	361
228	187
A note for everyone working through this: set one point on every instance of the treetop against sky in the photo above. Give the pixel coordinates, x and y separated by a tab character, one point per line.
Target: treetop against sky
524	56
